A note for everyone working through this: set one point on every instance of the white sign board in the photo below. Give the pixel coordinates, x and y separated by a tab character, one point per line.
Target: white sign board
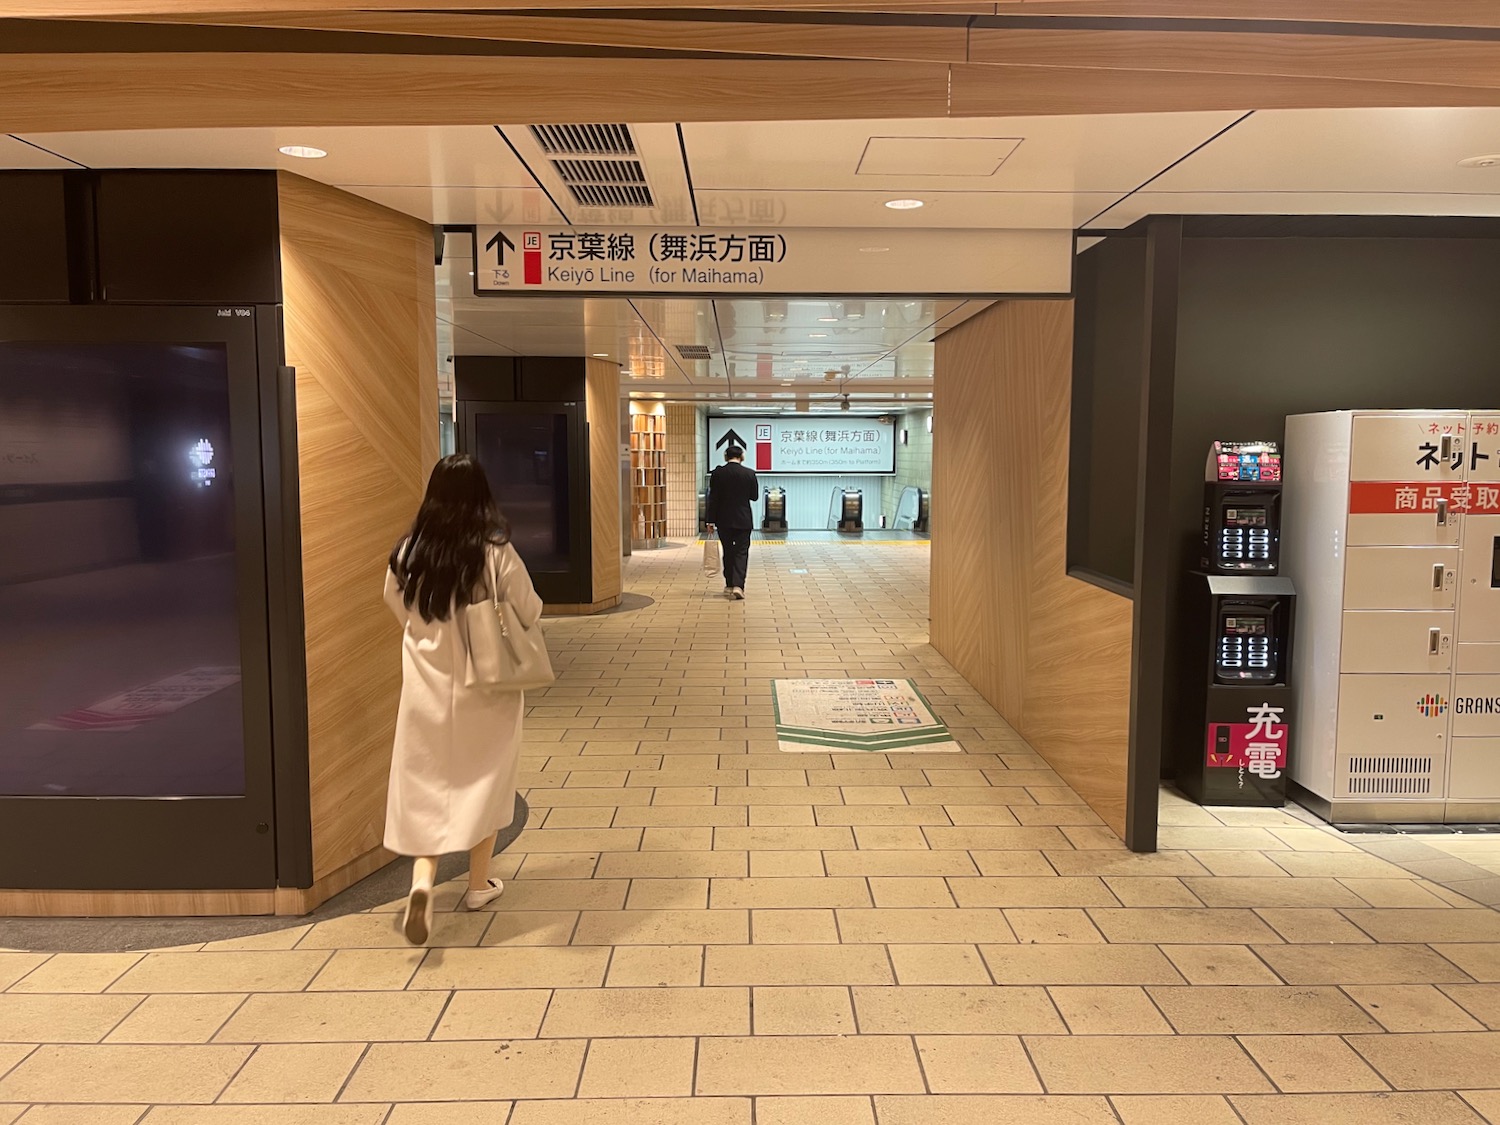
806	443
872	716
693	261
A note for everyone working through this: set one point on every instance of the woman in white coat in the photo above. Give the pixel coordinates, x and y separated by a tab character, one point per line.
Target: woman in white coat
458	749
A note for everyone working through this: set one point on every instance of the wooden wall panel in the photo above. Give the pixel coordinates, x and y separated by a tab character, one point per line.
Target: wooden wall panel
1051	653
360	316
602	407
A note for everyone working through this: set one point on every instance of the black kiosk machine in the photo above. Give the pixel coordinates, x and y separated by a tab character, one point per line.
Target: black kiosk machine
1241	623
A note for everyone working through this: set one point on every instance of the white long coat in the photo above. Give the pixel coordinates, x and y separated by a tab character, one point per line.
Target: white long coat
458	750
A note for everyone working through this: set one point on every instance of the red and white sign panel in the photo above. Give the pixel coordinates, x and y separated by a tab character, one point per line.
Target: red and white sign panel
832	443
1258	747
1390	498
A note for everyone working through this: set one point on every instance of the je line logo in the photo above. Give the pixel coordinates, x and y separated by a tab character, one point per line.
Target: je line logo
1431	706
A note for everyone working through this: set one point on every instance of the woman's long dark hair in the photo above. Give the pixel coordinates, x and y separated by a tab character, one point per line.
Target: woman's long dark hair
442	558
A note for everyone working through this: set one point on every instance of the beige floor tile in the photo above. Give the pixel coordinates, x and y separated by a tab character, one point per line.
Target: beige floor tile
1161	864
1480	961
931	927
77	972
1220	964
900	893
895	838
1480	1000
383	931
938	964
1239	864
1144	1064
862	1064
1311	1064
511	967
1055	926
425	1072
577	840
1415	1007
1182	927
295	1072
824	1111
1213	839
789	893
1434	1062
383	970
787	865
514	1013
275	1115
561	894
26	1018
625	1012
792	927
1006	864
560	865
1313	926
1023	892
994	1110
638	1068
663	927
1441	925
279	971
14	966
668	816
956	1010
796	965
1356	1109
287	938
859	815
119	1073
1272	892
1270	1010
1359	964
994	839
897	864
1179	1109
1079	964
1147	890
531	927
176	1018
779	795
673	865
449	1113
976	1064
1394	893
579	818
803	1011
1338	865
831	839
1487	1102
668	894
1108	1010
656	966
632	1111
82	1114
677	840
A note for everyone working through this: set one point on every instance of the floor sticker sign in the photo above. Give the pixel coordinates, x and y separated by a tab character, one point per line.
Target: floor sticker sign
873	716
138	705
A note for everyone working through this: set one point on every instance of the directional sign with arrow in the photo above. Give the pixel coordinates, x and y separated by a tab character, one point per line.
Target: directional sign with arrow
730	438
499	243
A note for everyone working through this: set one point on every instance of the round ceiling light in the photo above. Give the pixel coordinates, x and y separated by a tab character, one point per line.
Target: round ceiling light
904	204
304	152
1491	161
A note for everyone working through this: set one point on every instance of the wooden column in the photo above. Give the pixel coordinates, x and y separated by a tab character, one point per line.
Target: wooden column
360	323
1050	653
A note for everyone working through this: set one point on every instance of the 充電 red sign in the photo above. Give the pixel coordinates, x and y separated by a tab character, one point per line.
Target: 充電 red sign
1257	747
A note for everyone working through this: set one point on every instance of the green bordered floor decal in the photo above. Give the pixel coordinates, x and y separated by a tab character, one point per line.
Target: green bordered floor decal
857	716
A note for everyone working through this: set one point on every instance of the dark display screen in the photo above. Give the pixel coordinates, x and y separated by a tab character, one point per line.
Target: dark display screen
525	457
119	626
1245	626
1245	517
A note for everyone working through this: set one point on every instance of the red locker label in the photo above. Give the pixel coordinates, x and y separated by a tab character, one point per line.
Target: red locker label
1390	498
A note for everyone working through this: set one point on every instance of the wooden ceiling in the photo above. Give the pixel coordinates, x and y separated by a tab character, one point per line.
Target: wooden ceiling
137	64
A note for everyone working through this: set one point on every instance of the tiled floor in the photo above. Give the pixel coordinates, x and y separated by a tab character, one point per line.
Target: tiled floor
702	931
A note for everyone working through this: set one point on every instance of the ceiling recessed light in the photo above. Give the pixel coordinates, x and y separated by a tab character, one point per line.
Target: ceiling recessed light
1491	161
828	320
874	249
304	152
601	355
904	204
817	335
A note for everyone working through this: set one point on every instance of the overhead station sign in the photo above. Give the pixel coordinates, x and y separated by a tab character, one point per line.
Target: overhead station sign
830	443
788	261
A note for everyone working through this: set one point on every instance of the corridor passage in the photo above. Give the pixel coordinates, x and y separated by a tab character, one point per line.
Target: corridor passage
701	930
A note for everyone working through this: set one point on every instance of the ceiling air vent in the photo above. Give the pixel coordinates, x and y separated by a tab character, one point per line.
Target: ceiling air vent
597	164
694	351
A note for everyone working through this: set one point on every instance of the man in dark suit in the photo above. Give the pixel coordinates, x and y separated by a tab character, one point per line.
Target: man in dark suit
732	488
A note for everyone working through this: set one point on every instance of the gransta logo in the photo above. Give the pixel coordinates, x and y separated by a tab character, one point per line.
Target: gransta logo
1477	705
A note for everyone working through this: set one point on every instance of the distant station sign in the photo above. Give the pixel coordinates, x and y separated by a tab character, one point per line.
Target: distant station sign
787	261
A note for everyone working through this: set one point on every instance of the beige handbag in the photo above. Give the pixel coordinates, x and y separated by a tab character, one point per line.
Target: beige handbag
711	564
504	655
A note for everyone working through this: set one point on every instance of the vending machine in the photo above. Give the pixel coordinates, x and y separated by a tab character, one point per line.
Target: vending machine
1392	525
775	508
1240	621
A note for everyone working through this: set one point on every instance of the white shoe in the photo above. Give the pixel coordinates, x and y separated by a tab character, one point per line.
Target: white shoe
729	593
478	900
417	925
738	594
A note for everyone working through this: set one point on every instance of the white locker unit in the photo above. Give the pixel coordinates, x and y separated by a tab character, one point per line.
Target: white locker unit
1391	533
